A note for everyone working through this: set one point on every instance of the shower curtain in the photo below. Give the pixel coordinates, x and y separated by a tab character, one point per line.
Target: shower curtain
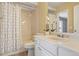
10	28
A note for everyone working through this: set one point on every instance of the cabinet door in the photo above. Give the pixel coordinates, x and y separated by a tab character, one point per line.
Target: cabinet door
37	51
51	47
45	52
76	18
66	52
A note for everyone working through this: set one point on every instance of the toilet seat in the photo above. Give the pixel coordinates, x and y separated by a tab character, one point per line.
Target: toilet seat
30	48
29	45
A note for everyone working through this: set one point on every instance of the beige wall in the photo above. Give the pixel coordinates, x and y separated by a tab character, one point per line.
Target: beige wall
70	8
26	25
42	12
35	23
35	20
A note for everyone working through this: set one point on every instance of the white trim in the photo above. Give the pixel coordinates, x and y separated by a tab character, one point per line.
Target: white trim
75	17
52	9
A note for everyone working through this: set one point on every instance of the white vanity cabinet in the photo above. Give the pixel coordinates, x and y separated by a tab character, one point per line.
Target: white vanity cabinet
63	51
45	48
50	47
37	49
44	52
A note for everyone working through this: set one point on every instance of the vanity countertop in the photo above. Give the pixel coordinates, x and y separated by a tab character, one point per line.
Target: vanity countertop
62	42
71	44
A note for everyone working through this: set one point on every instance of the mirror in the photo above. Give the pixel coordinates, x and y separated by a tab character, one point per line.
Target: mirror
57	22
62	18
51	23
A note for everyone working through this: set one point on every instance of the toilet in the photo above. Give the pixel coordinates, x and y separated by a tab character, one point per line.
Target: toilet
30	48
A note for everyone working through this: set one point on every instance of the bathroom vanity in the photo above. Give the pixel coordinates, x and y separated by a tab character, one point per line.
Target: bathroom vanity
49	45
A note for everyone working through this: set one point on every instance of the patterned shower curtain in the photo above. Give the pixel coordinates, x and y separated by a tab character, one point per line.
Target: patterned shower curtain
10	28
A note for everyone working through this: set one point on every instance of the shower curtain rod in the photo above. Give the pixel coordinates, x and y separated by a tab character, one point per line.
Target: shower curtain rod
28	6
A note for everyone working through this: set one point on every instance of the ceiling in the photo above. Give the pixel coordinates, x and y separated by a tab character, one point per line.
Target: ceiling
51	5
55	4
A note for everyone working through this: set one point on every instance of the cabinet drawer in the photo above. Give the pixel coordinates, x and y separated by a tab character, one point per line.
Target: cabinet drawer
52	48
66	52
45	52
